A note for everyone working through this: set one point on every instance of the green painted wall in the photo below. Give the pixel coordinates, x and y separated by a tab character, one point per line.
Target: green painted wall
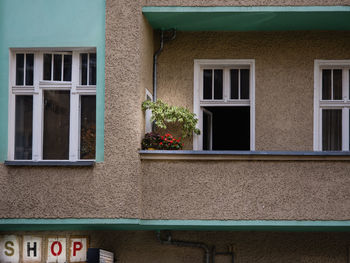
54	23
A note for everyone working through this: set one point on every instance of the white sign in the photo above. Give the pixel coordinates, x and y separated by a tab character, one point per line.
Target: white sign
56	250
78	249
9	249
31	249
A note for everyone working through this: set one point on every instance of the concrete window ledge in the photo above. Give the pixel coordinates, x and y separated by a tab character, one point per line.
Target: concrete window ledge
244	155
49	163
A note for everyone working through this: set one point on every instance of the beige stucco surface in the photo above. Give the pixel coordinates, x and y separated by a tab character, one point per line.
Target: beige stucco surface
111	188
284	77
259	247
237	190
124	187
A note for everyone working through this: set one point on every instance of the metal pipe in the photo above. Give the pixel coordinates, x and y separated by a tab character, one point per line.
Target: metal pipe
214	253
178	243
155	57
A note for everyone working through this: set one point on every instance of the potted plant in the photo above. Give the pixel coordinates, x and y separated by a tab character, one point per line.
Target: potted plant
151	141
162	114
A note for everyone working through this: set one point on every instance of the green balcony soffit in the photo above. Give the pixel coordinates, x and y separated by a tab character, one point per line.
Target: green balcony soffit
254	18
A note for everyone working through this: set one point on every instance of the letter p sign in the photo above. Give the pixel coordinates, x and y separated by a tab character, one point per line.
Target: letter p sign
78	249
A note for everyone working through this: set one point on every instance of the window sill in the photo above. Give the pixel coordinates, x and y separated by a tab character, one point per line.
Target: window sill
49	163
244	155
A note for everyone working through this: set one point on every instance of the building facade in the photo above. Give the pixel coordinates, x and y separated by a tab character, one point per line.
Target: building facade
267	180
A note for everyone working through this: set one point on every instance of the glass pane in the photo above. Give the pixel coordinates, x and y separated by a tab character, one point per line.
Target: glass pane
67	68
47	66
92	69
245	84
88	127
218	75
83	61
234	83
29	69
207	123
23	127
337	84
57	67
207	81
56	124
19	69
326	84
331	130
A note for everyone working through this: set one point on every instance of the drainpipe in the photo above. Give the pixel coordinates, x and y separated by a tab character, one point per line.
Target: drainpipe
155	57
178	243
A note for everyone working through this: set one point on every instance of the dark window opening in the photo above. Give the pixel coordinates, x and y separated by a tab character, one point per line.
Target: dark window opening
230	128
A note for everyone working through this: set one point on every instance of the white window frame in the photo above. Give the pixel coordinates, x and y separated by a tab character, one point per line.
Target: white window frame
320	104
37	90
199	103
148	113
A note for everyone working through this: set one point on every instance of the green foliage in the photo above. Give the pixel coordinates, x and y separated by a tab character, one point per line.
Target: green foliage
163	113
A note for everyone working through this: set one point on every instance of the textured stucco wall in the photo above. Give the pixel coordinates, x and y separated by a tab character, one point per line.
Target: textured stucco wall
248	190
258	247
111	188
284	70
122	187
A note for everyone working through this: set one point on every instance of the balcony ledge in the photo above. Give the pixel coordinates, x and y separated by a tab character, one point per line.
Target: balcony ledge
243	155
88	163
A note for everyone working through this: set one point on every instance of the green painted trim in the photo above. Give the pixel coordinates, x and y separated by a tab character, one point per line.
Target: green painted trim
61	23
199	225
229	9
253	18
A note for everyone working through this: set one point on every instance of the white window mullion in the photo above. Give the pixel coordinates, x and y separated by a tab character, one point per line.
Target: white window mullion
226	85
212	84
24	69
62	60
74	111
88	69
239	84
12	107
332	84
37	147
345	129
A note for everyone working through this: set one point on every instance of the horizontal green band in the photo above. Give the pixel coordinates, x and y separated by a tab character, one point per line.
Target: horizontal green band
200	225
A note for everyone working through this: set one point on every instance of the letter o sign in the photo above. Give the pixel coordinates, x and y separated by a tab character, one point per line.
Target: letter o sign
59	251
56	250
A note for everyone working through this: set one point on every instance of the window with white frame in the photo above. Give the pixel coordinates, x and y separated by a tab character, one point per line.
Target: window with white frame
224	102
331	105
52	105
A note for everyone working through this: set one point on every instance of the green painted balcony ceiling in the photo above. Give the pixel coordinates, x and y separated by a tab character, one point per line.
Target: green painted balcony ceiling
262	18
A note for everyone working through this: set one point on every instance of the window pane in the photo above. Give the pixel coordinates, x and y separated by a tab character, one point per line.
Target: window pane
47	66
245	84
29	69
88	127
19	69
207	81
207	126
326	84
331	130
234	83
67	68
83	61
57	67
56	124
92	69
337	84
218	74
23	127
